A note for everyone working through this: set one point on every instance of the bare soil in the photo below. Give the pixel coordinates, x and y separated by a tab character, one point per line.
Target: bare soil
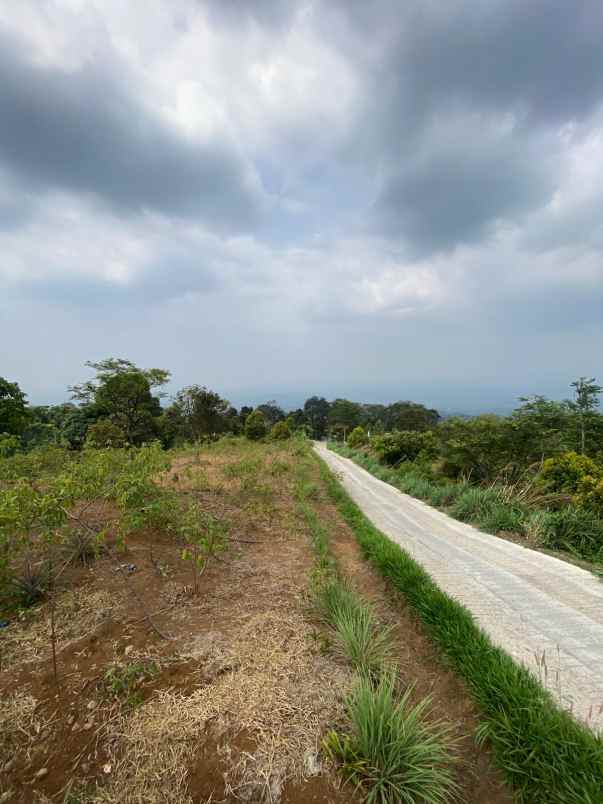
242	692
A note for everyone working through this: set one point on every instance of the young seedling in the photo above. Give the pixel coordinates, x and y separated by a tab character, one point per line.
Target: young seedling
204	538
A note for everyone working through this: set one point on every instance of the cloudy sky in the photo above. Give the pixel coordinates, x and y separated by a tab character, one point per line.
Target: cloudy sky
276	198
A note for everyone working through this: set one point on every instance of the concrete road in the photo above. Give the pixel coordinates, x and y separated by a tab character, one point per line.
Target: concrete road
544	612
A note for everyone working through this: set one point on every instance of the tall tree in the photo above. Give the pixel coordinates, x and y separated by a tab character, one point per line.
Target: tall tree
585	405
203	411
14	414
316	410
272	412
121	392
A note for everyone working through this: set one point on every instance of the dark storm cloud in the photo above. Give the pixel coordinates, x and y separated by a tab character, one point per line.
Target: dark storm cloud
455	191
527	67
83	131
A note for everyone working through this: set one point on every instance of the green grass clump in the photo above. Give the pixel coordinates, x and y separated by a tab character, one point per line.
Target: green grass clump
357	635
546	755
392	752
576	530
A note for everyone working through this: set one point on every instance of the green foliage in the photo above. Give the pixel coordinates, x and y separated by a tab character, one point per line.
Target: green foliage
9	445
105	433
406	445
204	537
14	415
565	472
357	635
590	494
280	431
199	413
121	392
357	438
123	681
255	426
546	754
394	753
577	530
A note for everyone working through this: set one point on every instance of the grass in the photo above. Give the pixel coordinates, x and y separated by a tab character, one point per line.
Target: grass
546	755
357	637
392	752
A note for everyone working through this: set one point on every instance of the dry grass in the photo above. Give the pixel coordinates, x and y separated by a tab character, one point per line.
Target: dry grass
270	684
78	613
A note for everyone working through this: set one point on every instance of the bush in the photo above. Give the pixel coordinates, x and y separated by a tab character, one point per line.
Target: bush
574	529
255	426
405	445
590	494
357	438
280	431
104	434
393	751
565	472
9	445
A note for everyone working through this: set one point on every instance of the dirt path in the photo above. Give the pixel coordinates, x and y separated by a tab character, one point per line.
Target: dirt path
544	612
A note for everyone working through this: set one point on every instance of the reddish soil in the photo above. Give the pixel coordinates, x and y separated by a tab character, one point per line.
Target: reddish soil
264	573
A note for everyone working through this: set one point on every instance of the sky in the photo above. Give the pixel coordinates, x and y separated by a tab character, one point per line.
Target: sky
378	200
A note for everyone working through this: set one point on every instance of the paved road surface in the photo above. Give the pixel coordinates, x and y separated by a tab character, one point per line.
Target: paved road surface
530	604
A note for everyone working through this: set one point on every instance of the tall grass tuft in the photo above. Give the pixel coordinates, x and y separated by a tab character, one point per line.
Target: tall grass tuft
393	753
357	634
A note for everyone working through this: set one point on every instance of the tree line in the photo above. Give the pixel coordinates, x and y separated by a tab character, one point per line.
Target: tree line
124	404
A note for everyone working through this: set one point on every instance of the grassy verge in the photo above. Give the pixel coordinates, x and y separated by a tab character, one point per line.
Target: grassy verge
390	751
495	509
546	755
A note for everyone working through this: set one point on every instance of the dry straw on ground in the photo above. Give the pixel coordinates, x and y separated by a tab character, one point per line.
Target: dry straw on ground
272	686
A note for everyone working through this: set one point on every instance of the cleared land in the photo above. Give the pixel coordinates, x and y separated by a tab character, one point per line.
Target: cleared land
234	704
544	612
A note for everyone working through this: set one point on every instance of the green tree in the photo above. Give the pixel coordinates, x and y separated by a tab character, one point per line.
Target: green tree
357	437
121	392
410	416
280	431
344	415
272	412
585	405
14	414
316	411
203	412
105	433
255	425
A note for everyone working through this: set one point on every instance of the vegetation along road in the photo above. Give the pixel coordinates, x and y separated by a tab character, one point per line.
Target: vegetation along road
544	612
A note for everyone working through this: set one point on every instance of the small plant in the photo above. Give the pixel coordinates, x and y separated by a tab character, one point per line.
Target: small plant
80	545
204	537
31	583
123	681
357	635
393	753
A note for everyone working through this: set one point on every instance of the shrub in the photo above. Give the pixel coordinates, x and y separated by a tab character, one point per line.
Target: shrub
255	426
405	445
357	438
105	433
393	752
590	494
9	445
574	529
565	472
280	431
